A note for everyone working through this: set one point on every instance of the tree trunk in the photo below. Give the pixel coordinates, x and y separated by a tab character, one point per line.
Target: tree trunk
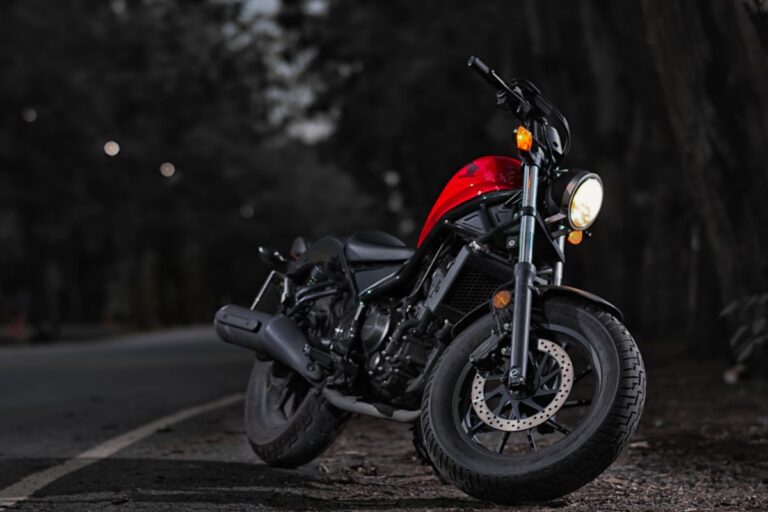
716	105
758	11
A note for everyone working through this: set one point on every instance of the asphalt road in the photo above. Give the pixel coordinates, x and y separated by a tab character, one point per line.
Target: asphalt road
128	409
57	401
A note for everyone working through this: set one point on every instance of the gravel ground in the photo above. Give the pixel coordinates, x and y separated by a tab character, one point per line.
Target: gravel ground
702	445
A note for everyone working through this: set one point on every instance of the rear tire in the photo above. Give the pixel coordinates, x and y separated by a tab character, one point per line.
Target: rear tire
296	432
540	474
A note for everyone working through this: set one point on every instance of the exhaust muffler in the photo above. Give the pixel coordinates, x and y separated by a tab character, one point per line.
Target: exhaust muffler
276	336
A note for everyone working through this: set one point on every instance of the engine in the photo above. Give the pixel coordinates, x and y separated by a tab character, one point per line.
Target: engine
397	371
400	346
380	349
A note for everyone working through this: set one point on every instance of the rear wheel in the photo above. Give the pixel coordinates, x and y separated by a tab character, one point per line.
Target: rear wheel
287	421
580	405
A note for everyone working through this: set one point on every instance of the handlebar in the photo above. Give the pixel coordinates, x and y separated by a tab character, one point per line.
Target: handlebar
525	100
519	104
482	69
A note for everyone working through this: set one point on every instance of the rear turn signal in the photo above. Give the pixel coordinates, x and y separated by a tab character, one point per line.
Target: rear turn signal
501	299
524	138
575	237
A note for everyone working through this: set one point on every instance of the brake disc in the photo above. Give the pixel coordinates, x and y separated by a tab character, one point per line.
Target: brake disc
565	383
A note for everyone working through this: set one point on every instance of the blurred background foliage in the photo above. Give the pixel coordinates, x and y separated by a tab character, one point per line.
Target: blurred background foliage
273	119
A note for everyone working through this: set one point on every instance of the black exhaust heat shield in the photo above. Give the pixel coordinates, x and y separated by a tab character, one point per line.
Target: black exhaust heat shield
276	336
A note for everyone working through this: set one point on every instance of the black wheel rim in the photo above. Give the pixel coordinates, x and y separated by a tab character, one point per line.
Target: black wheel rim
283	395
543	382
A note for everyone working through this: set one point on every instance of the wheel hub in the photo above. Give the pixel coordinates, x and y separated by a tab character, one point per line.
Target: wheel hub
521	393
564	384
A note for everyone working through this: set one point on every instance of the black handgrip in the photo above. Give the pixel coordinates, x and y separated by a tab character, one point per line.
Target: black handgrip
478	65
482	69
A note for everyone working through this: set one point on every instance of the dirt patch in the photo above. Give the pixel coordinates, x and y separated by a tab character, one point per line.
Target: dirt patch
701	445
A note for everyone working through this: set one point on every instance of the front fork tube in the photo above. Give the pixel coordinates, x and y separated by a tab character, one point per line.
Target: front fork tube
557	276
525	272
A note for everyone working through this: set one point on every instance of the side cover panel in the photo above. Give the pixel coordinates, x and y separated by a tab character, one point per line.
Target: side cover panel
481	176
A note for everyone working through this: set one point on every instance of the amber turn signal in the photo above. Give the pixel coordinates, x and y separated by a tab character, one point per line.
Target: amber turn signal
501	299
524	138
575	237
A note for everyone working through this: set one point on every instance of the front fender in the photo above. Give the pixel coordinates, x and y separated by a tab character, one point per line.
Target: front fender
544	293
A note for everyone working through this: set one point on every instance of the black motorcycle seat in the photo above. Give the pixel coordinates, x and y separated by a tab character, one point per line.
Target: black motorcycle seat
376	246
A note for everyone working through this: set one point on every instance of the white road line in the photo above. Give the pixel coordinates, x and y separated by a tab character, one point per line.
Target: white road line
24	488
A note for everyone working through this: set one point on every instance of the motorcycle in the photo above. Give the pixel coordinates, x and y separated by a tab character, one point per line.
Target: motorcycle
519	388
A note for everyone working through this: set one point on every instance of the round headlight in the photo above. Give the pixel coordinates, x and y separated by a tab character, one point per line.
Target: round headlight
578	195
585	202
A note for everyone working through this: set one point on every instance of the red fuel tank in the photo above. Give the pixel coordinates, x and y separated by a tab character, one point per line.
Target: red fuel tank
481	176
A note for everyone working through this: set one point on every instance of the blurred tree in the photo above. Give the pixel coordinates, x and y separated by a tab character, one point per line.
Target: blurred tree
159	232
758	11
715	77
159	81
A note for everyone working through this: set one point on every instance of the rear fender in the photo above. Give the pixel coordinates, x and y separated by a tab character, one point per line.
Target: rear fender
544	294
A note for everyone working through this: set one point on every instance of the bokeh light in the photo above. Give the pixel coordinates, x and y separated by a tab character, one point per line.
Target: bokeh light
111	148
29	115
247	210
392	178
167	169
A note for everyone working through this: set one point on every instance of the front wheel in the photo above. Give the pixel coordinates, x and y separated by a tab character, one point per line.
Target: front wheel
581	403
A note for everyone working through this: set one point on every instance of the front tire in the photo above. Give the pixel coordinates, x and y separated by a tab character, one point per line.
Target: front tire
288	422
536	471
